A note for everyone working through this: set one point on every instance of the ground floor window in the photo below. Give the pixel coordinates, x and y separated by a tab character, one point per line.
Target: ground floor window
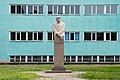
70	59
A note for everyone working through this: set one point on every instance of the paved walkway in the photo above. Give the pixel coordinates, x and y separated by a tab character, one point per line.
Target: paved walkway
59	76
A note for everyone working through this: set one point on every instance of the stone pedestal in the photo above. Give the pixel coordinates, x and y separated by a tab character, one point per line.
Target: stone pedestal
58	56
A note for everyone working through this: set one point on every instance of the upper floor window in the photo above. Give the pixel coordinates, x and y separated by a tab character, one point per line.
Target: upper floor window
50	36
26	36
101	9
26	9
64	9
100	36
72	36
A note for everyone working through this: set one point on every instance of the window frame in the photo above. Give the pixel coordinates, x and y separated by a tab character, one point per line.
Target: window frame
26	12
63	10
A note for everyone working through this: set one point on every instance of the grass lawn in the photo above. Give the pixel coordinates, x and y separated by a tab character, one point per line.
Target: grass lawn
14	72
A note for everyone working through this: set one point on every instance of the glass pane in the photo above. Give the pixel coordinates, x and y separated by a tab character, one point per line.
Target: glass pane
107	36
35	10
40	35
40	9
100	9
77	9
101	58
12	36
30	36
30	9
49	35
55	9
72	9
23	9
87	9
67	9
35	36
113	36
77	36
93	36
87	36
100	36
23	35
18	9
113	9
72	36
66	35
60	9
50	9
12	9
18	36
107	8
94	9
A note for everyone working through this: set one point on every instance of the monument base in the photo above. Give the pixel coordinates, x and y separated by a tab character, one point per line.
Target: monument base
58	70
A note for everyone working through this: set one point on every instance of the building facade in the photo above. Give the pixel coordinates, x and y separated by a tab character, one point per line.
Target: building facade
92	29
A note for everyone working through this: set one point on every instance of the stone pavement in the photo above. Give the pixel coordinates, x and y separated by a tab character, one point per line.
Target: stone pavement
59	76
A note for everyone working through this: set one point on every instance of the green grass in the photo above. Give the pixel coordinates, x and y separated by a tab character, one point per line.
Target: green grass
16	72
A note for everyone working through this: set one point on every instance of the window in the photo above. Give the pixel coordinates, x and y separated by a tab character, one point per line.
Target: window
100	9
60	9
86	58
30	9
41	9
26	36
29	58
67	58
18	9
101	58
67	9
87	10
107	36
23	35
50	58
40	35
26	9
17	59
35	36
113	9
87	36
50	9
30	36
13	36
50	36
113	36
100	36
36	58
11	58
12	9
18	35
44	58
23	9
94	58
71	36
35	10
117	58
109	58
73	58
22	58
64	9
79	58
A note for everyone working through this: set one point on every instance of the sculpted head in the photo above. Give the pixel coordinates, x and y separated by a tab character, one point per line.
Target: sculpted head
58	19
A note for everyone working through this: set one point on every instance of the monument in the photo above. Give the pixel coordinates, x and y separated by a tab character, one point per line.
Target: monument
58	29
